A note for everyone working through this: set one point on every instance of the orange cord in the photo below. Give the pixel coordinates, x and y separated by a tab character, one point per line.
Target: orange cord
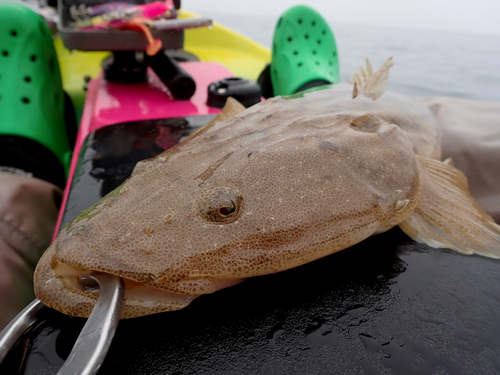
154	45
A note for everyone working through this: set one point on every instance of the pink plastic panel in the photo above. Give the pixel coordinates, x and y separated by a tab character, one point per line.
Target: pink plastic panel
113	103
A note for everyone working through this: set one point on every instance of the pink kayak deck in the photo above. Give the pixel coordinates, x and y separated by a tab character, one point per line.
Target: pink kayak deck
110	103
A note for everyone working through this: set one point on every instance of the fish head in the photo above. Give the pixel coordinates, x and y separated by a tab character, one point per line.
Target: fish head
259	193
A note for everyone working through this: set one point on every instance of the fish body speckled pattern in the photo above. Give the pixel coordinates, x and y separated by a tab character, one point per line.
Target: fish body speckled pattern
266	189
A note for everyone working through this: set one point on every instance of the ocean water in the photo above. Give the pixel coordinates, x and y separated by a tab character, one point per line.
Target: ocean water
427	63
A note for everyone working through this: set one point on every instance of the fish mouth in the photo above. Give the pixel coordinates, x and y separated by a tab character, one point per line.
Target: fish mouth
71	291
77	279
59	283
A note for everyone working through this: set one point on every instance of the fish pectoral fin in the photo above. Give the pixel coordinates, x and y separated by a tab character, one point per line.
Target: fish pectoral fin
447	216
230	109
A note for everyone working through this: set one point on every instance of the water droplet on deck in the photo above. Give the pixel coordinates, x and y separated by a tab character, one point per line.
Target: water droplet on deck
273	336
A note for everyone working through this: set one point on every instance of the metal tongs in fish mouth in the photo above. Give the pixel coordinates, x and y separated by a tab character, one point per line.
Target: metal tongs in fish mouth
95	339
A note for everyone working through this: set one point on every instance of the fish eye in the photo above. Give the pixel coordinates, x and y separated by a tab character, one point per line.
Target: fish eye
226	211
219	205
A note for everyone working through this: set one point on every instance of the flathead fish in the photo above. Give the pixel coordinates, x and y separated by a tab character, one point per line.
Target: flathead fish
265	189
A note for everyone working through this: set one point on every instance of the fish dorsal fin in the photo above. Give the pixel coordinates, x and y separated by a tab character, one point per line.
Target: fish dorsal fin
447	216
370	84
230	109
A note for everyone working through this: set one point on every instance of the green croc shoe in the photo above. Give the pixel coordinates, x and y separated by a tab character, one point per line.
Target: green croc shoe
31	93
304	52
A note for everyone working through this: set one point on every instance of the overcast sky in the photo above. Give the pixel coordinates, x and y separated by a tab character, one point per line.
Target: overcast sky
476	16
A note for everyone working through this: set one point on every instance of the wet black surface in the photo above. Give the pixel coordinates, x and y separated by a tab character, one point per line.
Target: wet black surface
385	306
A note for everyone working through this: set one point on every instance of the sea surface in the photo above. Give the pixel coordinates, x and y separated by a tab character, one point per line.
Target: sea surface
427	63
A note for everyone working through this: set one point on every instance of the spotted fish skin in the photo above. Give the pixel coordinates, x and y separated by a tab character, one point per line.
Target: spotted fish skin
283	183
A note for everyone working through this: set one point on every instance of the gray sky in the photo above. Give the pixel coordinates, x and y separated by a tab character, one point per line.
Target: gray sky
475	16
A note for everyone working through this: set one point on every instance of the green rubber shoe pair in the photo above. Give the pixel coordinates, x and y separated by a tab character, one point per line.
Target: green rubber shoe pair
304	52
31	93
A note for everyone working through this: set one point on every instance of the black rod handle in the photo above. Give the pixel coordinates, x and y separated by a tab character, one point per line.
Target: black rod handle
178	81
